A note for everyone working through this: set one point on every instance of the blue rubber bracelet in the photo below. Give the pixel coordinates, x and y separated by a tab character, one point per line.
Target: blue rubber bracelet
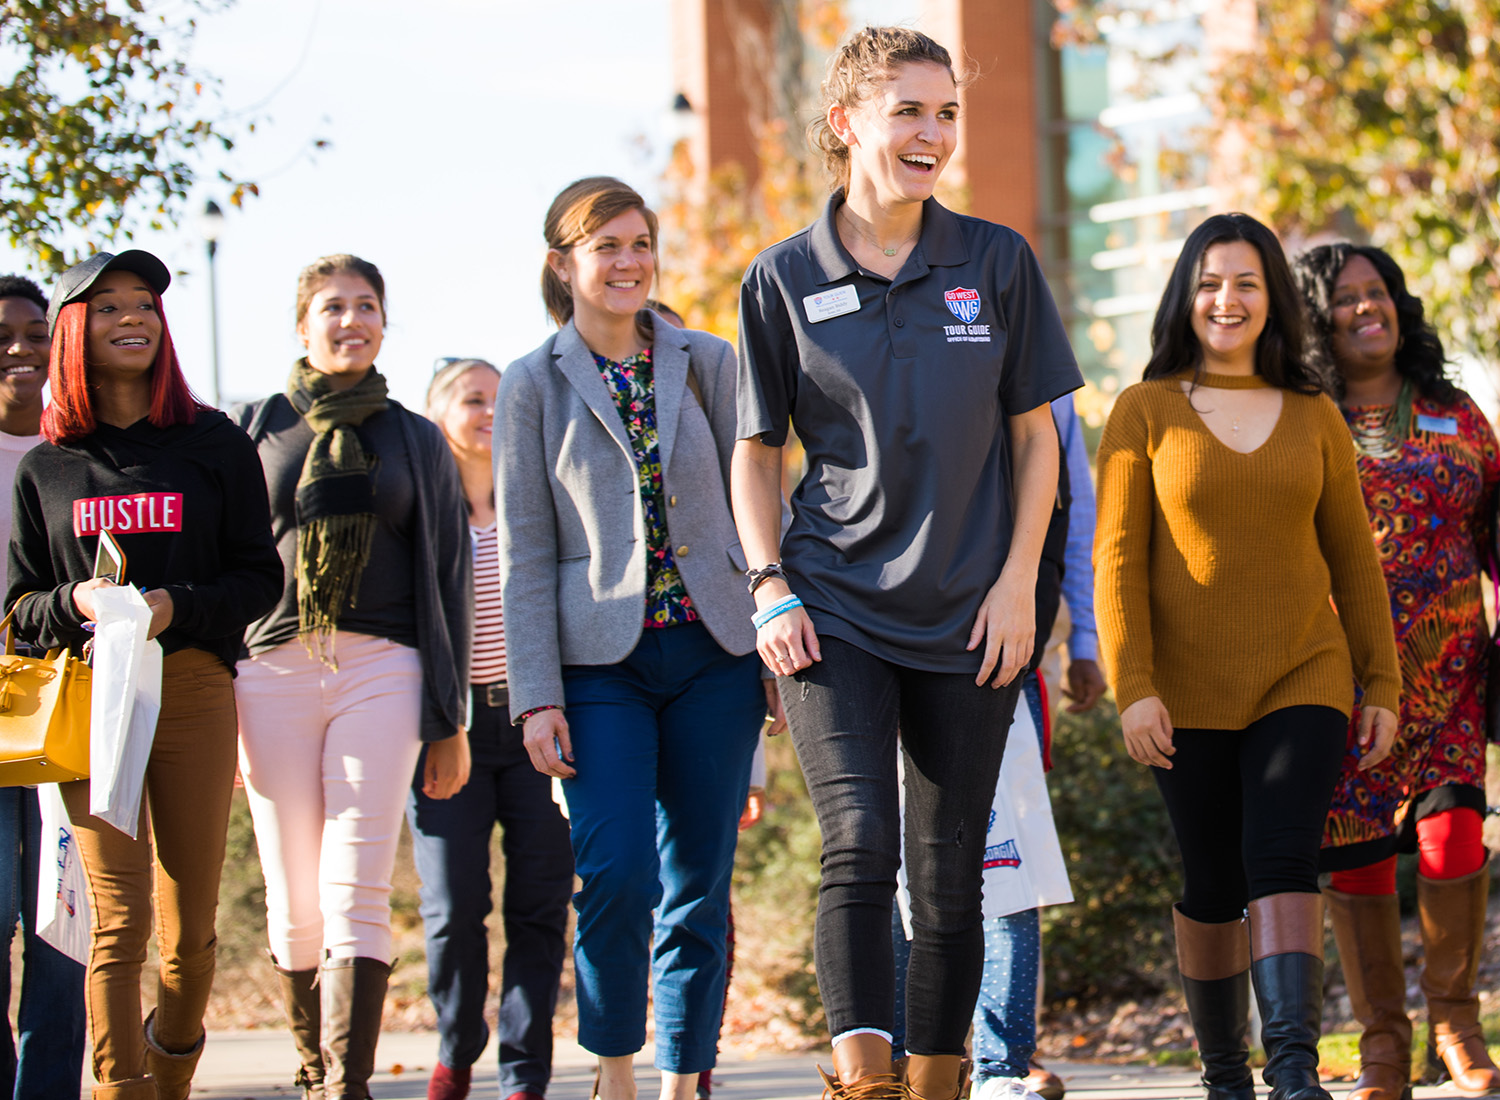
781	607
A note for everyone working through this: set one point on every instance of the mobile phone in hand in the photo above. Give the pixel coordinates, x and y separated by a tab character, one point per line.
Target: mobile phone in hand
109	559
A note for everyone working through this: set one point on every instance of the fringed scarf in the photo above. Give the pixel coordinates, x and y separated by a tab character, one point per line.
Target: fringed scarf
335	501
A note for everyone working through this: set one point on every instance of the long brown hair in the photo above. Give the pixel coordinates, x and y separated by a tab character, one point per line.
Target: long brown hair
581	208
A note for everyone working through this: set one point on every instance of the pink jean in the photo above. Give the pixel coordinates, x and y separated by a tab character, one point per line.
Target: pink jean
327	758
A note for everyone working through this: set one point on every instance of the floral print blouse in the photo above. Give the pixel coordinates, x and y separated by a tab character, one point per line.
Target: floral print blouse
632	385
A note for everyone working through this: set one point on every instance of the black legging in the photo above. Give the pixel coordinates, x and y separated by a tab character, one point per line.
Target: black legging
844	713
1248	807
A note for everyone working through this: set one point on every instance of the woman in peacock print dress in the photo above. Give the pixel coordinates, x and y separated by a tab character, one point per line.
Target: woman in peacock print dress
1429	467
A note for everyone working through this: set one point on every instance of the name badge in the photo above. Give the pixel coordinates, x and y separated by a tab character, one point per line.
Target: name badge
831	303
1442	425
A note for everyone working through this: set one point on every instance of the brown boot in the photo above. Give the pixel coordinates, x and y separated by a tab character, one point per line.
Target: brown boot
1367	928
863	1065
353	1001
1286	970
172	1071
936	1076
304	1017
1214	961
1452	913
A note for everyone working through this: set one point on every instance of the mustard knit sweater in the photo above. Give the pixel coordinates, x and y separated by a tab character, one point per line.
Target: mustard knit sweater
1214	568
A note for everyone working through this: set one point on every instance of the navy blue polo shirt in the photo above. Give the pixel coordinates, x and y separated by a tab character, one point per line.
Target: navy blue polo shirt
900	390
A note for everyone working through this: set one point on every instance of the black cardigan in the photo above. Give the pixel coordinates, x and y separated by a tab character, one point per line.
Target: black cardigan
444	559
187	505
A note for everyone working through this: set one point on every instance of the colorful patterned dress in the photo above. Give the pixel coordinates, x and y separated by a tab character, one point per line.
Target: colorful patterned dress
1430	499
632	384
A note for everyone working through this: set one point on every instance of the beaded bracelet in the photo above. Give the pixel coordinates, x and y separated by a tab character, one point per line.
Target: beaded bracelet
534	710
780	607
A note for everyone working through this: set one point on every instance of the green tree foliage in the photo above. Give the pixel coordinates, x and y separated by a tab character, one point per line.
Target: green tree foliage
101	118
1382	117
1373	119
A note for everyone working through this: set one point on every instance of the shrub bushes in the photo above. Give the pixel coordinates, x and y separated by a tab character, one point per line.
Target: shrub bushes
1114	940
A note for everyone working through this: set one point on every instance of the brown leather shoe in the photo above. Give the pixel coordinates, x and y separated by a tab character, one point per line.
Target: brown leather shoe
872	1086
936	1076
1453	913
864	1071
1042	1081
1368	931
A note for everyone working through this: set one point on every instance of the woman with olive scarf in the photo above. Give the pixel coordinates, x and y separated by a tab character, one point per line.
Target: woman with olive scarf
360	672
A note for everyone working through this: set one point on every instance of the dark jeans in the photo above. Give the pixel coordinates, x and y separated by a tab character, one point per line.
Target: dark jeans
1260	794
51	1018
451	843
662	742
844	713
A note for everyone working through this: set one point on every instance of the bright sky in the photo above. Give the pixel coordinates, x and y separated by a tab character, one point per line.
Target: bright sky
452	123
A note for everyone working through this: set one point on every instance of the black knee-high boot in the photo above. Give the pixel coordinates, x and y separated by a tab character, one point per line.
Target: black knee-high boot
1286	949
1214	961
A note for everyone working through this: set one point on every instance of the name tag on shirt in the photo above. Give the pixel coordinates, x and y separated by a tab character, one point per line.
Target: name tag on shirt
1442	425
831	303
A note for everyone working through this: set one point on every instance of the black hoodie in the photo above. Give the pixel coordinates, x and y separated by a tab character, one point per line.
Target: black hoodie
187	505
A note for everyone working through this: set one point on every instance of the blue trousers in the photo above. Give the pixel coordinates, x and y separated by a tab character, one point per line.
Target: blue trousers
51	1019
662	742
451	846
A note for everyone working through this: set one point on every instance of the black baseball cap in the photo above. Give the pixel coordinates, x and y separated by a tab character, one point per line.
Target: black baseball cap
75	282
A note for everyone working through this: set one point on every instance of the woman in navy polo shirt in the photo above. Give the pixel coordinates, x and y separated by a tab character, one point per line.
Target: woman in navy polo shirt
915	352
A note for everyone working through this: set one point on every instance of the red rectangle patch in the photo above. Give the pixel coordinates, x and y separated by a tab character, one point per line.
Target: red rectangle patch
141	512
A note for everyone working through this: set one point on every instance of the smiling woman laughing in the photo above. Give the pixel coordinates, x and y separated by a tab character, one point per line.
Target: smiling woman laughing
362	665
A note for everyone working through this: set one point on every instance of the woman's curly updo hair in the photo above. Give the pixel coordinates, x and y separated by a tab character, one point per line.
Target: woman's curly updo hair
870	55
1419	352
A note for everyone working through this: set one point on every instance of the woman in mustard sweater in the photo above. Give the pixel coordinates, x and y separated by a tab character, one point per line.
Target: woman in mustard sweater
1229	513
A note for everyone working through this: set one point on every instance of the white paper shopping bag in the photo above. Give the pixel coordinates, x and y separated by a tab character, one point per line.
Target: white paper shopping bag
1023	860
62	896
127	679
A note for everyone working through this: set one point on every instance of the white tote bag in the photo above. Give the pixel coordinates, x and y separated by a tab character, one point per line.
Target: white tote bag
126	702
62	895
1023	861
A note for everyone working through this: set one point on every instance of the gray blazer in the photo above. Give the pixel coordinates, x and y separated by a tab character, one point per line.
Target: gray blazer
571	530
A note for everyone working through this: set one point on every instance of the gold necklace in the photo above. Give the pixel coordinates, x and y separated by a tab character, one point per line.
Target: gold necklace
874	243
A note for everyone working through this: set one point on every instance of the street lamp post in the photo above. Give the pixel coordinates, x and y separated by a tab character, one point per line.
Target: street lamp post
211	224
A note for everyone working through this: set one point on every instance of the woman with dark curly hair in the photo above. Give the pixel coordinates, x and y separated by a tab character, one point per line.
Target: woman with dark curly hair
1229	514
1429	467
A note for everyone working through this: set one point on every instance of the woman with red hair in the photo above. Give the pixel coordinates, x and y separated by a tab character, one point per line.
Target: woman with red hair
129	450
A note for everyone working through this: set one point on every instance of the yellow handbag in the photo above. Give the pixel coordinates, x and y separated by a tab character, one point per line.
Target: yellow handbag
44	714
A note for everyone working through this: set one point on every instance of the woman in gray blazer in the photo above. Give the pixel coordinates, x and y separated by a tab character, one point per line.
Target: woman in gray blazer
632	663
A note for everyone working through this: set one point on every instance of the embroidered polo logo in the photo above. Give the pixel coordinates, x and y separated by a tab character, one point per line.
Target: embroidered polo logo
963	304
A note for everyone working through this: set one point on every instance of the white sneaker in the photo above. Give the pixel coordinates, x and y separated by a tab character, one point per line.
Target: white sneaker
1004	1088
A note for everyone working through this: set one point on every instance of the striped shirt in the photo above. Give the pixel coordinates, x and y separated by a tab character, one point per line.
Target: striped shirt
488	665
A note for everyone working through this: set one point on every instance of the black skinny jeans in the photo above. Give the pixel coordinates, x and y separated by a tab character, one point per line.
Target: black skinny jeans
845	712
1262	792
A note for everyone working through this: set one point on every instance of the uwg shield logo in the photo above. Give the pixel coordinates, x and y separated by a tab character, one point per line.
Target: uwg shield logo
963	304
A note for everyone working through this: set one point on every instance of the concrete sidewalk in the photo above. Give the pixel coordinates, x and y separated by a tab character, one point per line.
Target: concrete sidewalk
258	1065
